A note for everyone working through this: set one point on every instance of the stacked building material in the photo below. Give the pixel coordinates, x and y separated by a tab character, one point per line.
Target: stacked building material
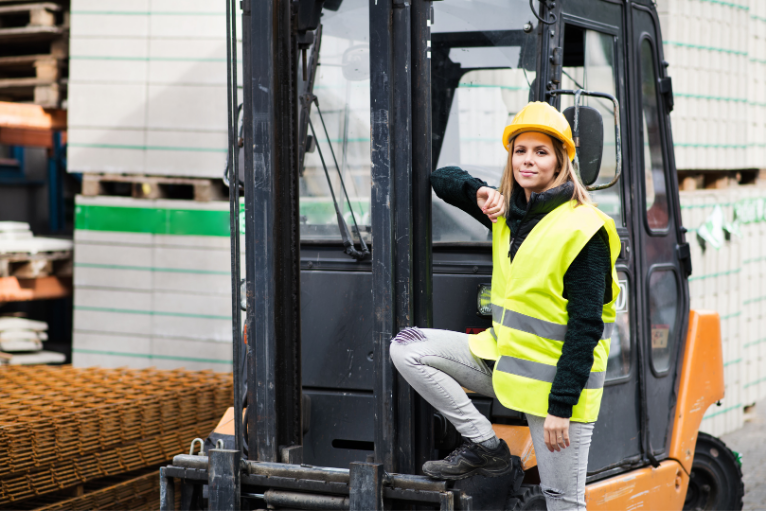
33	51
152	285
726	232
22	340
716	53
61	427
135	491
147	89
147	128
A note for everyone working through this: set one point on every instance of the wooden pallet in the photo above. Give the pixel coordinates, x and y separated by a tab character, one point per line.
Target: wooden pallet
154	187
33	51
690	180
41	14
32	266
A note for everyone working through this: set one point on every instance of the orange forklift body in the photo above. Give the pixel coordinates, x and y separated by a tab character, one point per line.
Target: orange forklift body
701	384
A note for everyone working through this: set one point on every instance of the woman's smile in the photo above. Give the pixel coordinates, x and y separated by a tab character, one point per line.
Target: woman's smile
534	162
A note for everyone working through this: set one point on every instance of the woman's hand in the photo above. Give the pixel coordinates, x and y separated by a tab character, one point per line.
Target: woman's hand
556	432
491	202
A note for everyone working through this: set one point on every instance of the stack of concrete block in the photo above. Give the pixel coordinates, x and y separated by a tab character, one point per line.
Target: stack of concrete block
756	84
751	207
152	284
716	55
148	100
147	87
730	280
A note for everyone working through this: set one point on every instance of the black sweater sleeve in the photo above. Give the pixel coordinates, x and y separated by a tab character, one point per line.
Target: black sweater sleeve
458	188
585	290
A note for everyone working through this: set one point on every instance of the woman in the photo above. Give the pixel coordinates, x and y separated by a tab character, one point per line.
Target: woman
553	304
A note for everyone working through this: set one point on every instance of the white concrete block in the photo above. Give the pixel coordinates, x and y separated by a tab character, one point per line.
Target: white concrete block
85	275
109	361
130	302
113	255
168	353
134	6
187	61
108	46
193	327
107	59
105	150
192	259
113	106
187	107
212	284
83	342
189	6
109	237
186	153
210	242
104	23
111	322
199	304
192	315
191	24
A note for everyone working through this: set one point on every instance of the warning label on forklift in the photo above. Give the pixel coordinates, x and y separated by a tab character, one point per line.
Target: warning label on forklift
660	336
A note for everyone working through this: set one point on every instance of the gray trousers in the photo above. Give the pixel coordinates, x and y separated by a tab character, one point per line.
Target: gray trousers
437	363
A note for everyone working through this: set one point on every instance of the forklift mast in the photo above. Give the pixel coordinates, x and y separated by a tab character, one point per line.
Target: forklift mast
328	423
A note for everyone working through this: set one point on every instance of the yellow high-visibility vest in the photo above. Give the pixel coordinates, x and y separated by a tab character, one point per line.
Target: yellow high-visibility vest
530	313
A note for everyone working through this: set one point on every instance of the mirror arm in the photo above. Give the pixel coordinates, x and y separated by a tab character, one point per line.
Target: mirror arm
616	112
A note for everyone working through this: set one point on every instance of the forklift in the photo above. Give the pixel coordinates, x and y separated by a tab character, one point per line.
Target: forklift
345	109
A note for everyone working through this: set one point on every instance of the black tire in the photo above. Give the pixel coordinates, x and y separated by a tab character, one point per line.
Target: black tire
528	498
716	480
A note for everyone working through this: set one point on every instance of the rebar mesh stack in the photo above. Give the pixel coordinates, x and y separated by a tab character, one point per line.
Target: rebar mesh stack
139	490
63	426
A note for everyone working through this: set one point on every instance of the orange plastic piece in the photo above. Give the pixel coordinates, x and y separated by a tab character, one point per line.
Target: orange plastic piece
13	289
18	115
701	383
30	125
658	489
520	443
226	424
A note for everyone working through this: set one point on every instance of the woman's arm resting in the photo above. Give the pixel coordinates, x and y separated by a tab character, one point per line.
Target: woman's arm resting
456	187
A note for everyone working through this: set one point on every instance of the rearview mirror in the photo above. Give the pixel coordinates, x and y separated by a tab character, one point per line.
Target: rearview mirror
589	139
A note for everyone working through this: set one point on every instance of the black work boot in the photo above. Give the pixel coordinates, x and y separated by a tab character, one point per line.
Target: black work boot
471	459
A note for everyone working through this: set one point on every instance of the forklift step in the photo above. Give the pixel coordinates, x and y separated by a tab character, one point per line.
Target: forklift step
362	486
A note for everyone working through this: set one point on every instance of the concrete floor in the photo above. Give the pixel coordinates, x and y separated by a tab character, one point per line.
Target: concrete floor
749	441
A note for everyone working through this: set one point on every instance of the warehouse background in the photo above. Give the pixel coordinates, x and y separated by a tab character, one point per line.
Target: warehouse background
143	86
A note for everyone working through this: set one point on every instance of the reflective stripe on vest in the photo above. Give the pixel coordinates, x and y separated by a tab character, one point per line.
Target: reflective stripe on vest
542	372
530	315
539	327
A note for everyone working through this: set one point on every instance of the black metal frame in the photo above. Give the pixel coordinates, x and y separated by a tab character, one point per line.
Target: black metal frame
401	155
271	230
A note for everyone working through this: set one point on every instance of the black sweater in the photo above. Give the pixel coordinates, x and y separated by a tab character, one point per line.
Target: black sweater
586	283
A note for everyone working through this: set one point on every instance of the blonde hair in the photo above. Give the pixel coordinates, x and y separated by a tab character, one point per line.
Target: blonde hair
508	183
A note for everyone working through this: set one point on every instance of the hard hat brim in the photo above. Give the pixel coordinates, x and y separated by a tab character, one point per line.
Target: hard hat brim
513	130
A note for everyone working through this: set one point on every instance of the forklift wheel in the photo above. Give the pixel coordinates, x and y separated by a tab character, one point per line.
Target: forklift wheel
529	498
716	480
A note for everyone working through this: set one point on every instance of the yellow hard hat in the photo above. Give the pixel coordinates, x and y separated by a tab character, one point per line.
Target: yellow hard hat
542	117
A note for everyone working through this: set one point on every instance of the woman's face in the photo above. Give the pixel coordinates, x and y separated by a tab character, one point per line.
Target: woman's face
534	162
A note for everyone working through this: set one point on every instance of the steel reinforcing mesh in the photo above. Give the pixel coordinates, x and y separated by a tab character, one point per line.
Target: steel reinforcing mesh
63	426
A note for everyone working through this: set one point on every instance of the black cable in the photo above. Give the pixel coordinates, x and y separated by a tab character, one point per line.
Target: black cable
340	177
345	235
541	19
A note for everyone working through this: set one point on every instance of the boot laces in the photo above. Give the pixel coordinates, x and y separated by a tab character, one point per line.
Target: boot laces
459	450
